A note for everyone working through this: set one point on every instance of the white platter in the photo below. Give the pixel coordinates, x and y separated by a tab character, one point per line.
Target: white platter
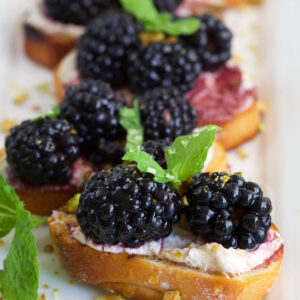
273	156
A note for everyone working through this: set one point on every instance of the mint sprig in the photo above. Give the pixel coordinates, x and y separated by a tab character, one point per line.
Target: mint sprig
55	111
20	277
146	12
185	157
130	119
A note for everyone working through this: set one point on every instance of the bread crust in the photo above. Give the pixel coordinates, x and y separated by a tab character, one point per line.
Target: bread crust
46	49
243	127
145	278
43	201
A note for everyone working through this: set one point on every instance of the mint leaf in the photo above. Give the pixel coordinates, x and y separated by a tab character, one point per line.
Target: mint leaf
8	202
131	121
187	155
146	163
55	111
146	12
20	277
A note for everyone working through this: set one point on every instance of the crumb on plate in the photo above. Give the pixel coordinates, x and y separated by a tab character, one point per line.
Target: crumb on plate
7	124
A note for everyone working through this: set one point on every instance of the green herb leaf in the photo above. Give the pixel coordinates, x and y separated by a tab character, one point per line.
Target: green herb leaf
8	205
131	121
146	163
20	277
55	111
188	153
146	12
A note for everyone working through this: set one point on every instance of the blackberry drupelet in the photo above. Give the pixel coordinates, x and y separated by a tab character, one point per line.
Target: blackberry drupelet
94	111
226	209
42	152
167	5
166	114
122	205
157	150
212	42
104	47
78	12
163	65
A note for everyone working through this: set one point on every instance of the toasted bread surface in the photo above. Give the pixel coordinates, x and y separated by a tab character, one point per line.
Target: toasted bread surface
146	278
46	49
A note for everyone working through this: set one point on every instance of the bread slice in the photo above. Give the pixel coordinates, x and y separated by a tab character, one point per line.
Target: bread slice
42	201
46	49
241	128
146	278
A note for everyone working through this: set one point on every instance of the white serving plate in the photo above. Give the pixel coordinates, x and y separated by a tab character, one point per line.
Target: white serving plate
273	156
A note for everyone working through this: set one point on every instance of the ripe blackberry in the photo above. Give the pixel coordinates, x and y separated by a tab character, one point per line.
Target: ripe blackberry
122	205
164	65
94	111
167	5
226	209
166	114
42	152
212	42
78	12
104	47
157	150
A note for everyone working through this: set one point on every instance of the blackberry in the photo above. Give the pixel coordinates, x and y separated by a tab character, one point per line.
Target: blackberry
212	42
157	150
166	114
122	205
167	5
78	12
164	65
104	47
226	209
42	152
93	109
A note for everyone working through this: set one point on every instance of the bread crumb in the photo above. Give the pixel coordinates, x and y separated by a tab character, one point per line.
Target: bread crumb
42	297
2	243
56	273
55	293
71	282
241	153
20	97
263	107
172	295
261	127
49	249
7	124
36	107
46	286
43	87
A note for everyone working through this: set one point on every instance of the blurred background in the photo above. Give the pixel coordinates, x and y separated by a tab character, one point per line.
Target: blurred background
279	85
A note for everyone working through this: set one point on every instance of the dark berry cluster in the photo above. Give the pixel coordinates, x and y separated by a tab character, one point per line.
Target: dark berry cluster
76	11
164	65
166	114
94	111
157	150
122	205
167	5
226	209
104	47
212	42
42	152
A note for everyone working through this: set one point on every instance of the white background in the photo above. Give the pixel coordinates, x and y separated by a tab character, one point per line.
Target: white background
279	159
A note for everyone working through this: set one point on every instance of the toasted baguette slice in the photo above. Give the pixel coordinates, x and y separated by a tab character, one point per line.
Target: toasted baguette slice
46	49
143	277
243	127
41	201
